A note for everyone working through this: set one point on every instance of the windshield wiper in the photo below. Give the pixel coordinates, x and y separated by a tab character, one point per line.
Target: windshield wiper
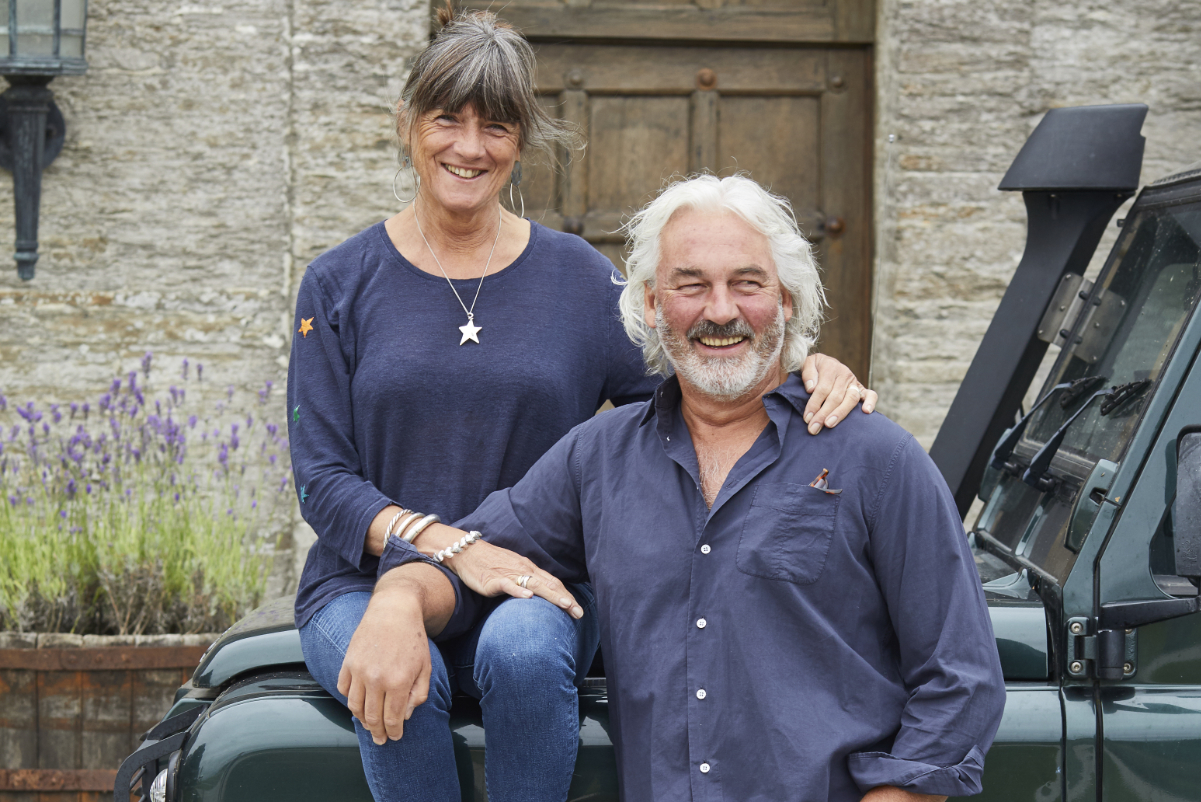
1004	449
1116	396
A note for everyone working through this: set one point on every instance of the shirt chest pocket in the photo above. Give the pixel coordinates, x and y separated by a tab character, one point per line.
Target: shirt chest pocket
787	533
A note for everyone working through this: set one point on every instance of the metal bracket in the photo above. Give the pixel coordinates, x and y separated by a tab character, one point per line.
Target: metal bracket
1065	307
1106	654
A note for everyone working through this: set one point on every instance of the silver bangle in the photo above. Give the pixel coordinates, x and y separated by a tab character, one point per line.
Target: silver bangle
416	529
465	541
407	521
388	528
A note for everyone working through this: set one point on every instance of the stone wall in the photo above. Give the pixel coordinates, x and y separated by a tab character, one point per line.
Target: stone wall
215	147
960	86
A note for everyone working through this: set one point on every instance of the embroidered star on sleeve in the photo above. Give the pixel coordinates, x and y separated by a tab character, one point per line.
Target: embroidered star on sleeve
303	494
296	414
306	325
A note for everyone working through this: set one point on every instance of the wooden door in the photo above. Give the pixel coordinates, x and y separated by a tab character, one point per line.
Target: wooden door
780	90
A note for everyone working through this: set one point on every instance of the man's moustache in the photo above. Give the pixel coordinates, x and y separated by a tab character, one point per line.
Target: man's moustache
707	328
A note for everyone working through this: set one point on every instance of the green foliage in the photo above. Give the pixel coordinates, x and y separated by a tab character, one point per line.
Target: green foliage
135	517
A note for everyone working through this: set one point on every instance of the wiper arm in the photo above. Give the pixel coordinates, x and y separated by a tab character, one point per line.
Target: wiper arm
1076	388
1115	397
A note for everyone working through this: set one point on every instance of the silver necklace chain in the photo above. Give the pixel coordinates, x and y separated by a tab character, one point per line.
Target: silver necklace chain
470	312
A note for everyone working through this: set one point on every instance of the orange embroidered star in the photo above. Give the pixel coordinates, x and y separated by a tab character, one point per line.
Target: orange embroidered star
306	325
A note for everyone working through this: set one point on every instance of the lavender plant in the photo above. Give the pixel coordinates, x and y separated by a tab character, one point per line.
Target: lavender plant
135	514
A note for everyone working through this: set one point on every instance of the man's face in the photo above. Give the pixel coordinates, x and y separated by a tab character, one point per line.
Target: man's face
717	303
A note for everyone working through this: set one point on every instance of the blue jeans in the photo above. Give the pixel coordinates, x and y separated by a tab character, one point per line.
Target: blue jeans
523	662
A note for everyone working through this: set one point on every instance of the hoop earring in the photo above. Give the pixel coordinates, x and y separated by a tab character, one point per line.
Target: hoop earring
397	195
515	181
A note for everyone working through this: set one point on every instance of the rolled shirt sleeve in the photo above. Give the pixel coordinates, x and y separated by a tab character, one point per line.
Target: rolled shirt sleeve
467	604
948	655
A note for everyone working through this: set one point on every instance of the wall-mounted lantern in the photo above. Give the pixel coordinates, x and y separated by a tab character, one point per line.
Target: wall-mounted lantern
39	39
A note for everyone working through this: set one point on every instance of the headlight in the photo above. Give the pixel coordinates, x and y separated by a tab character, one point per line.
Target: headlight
158	788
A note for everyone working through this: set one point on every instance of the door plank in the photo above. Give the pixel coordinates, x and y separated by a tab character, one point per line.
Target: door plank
725	24
846	194
631	70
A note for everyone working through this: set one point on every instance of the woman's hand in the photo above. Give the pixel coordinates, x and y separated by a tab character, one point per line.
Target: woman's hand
834	392
491	570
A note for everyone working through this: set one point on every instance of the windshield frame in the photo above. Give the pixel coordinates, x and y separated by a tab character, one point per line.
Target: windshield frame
1023	535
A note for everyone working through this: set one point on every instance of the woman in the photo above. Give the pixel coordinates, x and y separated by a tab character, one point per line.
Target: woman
437	356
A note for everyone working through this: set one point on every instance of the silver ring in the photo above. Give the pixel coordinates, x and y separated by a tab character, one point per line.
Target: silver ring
523	580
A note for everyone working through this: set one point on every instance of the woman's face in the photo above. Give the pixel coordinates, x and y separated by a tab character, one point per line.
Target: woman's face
463	159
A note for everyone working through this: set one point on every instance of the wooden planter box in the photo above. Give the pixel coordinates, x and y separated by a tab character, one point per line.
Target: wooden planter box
72	707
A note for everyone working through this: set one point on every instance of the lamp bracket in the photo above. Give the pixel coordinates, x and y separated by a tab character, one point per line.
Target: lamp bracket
56	134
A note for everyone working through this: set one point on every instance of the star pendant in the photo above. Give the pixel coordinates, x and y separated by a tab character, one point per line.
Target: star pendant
470	331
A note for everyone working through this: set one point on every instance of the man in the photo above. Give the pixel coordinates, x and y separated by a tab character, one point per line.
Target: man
782	617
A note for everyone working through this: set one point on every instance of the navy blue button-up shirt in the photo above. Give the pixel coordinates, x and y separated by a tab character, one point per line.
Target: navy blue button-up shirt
788	643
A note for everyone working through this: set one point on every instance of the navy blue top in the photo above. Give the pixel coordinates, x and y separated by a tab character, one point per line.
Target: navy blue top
385	406
789	643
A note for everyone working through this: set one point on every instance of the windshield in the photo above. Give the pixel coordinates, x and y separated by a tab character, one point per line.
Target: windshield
1135	315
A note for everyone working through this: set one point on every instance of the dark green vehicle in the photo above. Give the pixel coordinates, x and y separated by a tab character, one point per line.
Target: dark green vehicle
1089	543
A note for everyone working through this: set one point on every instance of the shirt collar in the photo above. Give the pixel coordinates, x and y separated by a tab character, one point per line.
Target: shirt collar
667	399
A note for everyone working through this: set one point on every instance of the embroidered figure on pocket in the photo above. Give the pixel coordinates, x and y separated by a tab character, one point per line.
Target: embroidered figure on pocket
821	484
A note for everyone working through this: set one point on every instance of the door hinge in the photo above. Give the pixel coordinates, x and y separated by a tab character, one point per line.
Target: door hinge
1107	654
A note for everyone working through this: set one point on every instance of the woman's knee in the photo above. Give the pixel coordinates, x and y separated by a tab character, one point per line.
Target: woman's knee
527	641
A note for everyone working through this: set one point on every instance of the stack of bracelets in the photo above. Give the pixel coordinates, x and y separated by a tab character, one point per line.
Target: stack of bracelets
414	523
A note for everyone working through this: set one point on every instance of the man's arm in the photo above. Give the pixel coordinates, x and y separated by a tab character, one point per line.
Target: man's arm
888	793
948	655
540	517
386	672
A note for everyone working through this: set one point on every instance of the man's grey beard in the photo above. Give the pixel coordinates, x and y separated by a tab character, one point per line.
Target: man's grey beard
717	376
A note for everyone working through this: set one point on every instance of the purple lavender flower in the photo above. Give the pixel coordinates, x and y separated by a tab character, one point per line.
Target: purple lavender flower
88	489
71	488
192	419
229	392
184	373
3	402
62	513
223	456
199	371
146	363
133	380
86	408
176	498
29	413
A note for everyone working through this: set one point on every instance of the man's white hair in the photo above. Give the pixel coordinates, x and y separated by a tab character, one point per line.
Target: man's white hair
768	214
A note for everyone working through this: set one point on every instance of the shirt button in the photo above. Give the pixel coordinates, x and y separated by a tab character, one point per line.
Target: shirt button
705	549
704	768
700	694
700	623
